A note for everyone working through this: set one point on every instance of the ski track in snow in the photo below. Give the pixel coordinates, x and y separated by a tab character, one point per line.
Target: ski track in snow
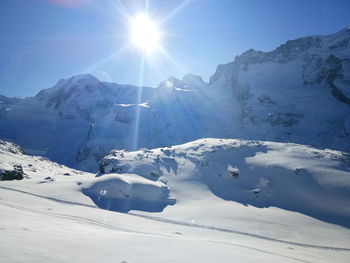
260	250
171	221
158	219
89	221
82	220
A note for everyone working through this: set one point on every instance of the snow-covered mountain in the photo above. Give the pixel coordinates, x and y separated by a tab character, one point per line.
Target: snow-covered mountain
81	119
299	92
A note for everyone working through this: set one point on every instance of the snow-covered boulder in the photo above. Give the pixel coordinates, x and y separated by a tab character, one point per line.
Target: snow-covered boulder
124	192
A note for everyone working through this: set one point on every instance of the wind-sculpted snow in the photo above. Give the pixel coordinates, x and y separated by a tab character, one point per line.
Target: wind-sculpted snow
263	174
126	192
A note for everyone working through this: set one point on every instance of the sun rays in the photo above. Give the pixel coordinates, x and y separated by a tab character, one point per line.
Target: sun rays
144	35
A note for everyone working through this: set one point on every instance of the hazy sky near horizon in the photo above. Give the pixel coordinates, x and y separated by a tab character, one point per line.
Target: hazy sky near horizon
42	41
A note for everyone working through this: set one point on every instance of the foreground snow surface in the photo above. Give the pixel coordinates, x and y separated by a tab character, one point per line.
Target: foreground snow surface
52	216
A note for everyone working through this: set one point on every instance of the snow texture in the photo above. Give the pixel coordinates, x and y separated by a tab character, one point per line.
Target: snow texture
263	174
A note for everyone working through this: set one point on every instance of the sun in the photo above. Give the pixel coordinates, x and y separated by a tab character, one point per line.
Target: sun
145	34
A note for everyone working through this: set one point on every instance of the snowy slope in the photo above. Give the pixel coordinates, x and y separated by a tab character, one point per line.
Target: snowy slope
34	167
59	220
40	174
263	174
130	191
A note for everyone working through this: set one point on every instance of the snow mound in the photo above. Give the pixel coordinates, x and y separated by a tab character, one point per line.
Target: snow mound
262	174
125	192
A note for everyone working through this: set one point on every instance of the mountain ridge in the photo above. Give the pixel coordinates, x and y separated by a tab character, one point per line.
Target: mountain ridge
298	92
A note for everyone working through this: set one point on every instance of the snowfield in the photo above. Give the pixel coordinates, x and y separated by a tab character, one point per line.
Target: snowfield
211	200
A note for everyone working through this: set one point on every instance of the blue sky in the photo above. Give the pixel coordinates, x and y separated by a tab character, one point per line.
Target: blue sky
42	41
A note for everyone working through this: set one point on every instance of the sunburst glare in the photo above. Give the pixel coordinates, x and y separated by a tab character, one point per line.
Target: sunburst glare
144	33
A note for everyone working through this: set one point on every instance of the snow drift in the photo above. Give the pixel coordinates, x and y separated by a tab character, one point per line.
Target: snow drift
125	192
